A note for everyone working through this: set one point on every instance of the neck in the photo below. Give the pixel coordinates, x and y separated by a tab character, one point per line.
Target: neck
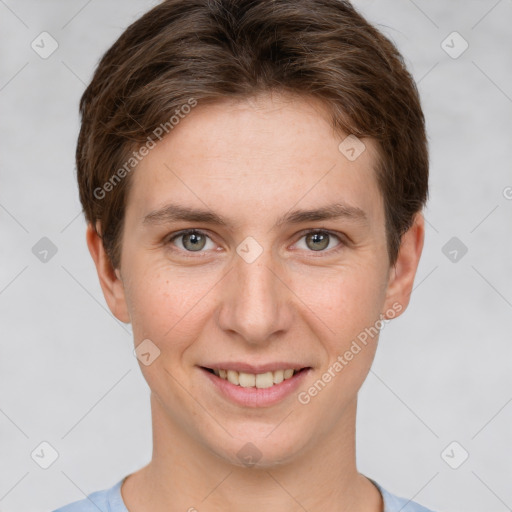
185	475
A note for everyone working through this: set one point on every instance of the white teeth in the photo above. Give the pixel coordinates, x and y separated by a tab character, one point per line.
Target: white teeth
264	380
260	380
247	380
288	374
278	376
233	377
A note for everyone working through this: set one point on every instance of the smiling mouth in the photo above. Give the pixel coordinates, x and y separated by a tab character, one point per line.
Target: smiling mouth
260	380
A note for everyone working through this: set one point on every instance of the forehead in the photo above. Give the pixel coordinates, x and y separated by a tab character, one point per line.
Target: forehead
262	155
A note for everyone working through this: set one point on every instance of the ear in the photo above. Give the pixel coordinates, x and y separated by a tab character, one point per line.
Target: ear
401	275
110	278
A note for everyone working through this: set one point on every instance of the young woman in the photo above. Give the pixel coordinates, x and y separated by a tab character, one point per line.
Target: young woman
253	174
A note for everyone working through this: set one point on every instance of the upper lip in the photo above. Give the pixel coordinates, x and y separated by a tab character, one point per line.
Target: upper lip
255	368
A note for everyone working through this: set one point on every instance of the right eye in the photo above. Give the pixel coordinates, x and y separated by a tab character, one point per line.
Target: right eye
192	240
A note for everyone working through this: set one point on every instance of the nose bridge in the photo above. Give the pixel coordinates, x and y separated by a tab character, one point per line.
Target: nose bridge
255	305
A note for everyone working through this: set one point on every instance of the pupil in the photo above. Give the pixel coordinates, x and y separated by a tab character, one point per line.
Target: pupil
319	237
195	240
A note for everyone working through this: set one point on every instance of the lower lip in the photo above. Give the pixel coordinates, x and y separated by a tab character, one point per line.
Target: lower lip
255	397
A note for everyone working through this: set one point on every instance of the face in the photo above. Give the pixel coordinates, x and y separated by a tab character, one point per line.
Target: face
222	269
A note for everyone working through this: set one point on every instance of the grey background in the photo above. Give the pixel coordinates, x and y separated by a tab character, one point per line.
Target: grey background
442	371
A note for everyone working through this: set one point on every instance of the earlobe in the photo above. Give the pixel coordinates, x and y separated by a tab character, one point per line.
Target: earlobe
401	277
110	278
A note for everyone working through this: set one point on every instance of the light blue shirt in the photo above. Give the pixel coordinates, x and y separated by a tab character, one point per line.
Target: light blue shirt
110	500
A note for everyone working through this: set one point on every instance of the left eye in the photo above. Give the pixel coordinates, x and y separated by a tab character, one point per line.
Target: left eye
195	241
319	240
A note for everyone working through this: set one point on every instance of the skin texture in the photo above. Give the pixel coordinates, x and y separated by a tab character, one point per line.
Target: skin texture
252	161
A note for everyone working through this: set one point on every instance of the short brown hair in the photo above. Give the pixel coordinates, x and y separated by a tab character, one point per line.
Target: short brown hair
209	50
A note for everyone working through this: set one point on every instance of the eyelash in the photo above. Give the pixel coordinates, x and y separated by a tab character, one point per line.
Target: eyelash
303	234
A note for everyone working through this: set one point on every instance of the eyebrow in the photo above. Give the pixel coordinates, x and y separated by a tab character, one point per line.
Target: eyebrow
175	212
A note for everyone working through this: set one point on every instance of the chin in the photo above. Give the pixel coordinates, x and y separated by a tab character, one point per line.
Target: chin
259	451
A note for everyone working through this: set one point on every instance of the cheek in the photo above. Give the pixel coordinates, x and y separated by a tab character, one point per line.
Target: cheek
344	301
347	307
166	304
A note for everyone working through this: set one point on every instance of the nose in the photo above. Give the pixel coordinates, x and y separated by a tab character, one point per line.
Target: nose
256	303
